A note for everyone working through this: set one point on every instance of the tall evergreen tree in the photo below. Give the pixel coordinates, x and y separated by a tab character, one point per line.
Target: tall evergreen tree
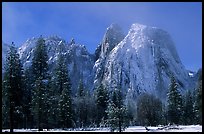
39	61
91	109
117	112
5	103
65	108
198	101
80	106
39	71
13	89
174	106
101	103
64	87
188	113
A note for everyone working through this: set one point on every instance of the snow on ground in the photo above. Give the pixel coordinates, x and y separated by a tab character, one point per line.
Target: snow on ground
180	128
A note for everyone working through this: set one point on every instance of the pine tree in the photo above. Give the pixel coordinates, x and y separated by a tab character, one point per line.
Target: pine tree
188	114
64	88
84	107
26	101
91	106
117	112
13	89
101	103
198	102
5	103
40	96
174	107
65	109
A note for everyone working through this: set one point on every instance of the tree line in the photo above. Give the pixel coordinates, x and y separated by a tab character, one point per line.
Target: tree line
37	98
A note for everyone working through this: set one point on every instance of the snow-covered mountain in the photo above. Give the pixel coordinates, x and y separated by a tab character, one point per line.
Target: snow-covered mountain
143	62
79	61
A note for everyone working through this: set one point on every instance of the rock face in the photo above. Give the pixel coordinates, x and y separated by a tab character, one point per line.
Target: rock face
141	61
112	37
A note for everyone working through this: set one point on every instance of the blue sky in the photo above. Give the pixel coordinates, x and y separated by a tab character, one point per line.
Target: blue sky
87	22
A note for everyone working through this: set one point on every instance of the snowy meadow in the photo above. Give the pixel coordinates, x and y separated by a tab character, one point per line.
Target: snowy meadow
180	128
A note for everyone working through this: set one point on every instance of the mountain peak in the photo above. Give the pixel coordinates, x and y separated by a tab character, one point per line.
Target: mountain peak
111	38
138	26
113	29
148	29
114	26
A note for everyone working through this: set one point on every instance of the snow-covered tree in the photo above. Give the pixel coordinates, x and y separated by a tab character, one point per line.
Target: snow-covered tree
101	103
80	105
39	61
12	95
117	112
40	76
174	100
27	86
63	85
65	109
198	101
188	113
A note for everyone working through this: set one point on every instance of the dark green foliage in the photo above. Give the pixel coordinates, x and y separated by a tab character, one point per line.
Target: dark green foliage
65	109
174	107
117	113
198	102
188	113
91	110
5	102
28	86
40	76
80	111
131	110
39	61
117	98
84	107
117	117
53	109
63	86
101	103
12	93
149	110
39	103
